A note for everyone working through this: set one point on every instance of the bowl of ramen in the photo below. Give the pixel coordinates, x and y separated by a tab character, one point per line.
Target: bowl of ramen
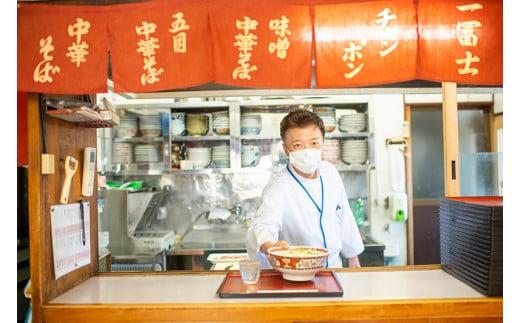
298	263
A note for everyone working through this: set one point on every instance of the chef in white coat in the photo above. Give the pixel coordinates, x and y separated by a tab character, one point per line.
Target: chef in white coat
306	204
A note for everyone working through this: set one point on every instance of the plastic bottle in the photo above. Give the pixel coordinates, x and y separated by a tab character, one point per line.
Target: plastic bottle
359	212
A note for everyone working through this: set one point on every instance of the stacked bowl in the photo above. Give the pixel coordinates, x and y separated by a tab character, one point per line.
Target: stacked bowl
177	125
250	124
220	122
197	124
146	153
220	156
331	150
150	125
354	151
250	156
200	157
127	126
122	153
354	122
328	115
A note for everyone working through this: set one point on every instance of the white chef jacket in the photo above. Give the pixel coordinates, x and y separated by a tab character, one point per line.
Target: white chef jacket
287	213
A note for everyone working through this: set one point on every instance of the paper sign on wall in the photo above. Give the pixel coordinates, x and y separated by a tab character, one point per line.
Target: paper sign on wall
70	237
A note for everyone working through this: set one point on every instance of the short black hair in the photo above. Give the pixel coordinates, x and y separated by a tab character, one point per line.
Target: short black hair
300	118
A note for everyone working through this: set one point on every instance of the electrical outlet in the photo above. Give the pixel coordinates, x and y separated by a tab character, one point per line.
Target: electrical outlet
47	164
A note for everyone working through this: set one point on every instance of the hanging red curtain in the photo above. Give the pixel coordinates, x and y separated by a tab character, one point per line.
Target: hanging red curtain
160	45
62	49
262	46
365	43
460	41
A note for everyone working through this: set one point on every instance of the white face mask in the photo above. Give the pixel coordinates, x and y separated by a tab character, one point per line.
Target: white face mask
306	160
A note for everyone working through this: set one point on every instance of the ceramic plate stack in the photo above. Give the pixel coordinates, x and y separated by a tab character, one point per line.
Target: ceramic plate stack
146	153
122	153
220	156
150	125
177	124
354	151
200	157
328	115
197	124
472	240
221	122
331	150
250	124
355	122
127	126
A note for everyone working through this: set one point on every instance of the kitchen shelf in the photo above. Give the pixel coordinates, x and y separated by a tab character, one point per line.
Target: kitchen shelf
347	135
140	139
199	138
327	136
242	170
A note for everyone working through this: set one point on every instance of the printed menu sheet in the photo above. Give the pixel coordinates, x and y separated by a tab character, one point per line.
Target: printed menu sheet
70	237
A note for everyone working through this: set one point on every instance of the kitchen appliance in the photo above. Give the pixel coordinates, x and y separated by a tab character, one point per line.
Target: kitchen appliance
89	171
129	218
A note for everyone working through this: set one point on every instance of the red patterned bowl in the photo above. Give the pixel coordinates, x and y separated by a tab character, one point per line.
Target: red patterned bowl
298	263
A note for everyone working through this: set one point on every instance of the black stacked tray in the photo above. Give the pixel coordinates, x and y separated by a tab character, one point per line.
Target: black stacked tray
471	241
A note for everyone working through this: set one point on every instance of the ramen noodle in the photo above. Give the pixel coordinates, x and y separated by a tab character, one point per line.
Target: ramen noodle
302	252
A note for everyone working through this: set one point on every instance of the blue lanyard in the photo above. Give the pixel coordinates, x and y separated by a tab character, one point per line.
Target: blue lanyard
320	210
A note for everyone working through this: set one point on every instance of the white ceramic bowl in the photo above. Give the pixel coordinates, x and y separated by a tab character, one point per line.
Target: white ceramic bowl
298	267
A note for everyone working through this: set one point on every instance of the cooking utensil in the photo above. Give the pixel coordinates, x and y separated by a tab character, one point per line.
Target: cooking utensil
71	165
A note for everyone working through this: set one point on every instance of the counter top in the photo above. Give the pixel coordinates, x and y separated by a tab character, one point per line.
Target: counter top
201	288
419	291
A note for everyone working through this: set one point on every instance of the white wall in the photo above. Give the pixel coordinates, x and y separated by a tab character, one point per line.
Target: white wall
386	119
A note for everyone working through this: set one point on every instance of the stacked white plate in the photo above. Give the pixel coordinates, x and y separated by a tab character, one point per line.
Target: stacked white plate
146	153
220	156
355	122
200	157
127	126
328	115
122	153
220	122
331	150
354	151
150	125
177	124
250	124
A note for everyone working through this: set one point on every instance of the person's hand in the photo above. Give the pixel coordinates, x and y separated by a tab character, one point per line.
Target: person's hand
353	262
270	244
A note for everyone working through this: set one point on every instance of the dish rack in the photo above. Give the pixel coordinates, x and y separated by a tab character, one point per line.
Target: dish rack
84	116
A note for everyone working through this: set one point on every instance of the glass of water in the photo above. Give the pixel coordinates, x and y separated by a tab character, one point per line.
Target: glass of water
250	271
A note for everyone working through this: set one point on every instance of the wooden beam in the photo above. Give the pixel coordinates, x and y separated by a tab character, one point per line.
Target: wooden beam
409	186
451	139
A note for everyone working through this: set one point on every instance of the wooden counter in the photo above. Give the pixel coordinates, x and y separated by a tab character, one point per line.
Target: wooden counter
410	293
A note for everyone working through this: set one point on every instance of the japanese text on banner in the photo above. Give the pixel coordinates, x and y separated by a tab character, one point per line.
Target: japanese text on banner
281	29
245	42
147	48
178	29
467	38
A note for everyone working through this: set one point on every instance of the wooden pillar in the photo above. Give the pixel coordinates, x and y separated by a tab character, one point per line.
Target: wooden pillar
409	187
451	139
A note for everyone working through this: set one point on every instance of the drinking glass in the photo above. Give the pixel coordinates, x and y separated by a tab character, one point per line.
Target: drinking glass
250	271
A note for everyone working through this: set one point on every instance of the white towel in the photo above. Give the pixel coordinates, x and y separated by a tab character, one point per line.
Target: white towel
397	168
